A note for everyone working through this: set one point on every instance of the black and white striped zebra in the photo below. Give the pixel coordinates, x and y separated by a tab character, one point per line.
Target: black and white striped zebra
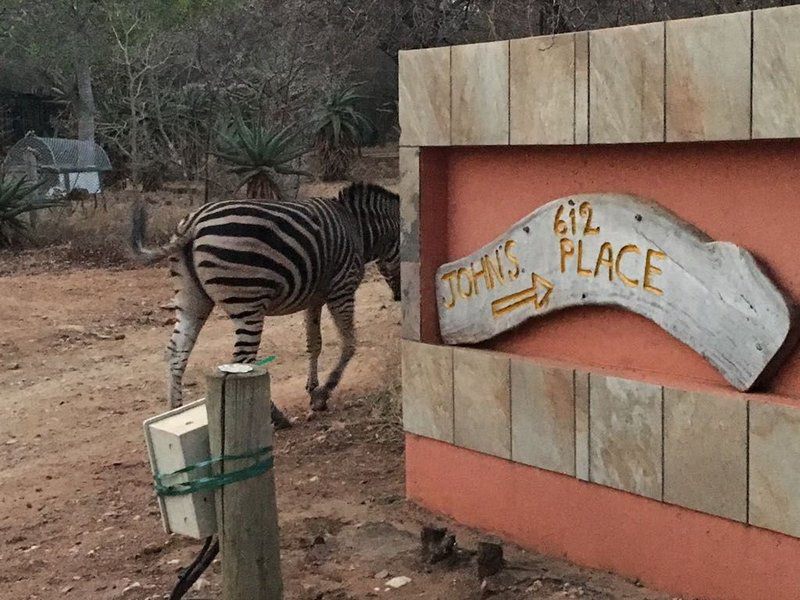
257	259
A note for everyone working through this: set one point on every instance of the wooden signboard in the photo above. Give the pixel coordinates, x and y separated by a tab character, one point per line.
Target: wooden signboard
610	249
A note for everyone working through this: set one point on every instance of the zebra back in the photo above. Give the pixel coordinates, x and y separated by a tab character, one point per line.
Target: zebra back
377	213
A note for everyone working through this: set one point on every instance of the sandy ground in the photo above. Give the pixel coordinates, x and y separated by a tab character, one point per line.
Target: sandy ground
81	366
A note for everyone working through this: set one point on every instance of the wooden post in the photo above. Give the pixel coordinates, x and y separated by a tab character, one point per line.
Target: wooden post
239	422
31	173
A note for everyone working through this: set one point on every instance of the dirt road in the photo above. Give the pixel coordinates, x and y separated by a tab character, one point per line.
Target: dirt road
81	366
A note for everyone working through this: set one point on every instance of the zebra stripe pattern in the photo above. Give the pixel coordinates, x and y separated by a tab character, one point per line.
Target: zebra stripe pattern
257	259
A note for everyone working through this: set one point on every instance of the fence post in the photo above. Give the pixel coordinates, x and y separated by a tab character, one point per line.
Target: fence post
239	422
31	173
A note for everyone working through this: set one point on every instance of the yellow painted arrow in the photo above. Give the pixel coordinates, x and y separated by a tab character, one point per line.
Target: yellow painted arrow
530	295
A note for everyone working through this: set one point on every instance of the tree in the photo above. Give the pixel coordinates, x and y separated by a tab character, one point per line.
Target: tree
340	127
61	39
259	155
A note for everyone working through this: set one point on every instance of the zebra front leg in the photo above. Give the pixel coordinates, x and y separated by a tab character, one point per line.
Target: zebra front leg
342	313
245	350
190	320
314	346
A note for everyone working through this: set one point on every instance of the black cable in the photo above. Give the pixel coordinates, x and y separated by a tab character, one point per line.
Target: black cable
191	574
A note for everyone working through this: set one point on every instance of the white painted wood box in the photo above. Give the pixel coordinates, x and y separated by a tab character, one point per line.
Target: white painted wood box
176	439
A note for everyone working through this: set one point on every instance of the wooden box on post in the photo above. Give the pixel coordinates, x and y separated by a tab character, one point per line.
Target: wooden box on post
177	439
240	429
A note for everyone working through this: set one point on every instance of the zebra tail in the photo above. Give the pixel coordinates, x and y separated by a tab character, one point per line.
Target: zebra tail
145	255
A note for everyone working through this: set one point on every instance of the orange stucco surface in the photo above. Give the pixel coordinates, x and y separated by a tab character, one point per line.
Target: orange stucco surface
743	192
670	548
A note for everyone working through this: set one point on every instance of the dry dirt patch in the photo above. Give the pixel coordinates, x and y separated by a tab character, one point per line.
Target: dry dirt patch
81	367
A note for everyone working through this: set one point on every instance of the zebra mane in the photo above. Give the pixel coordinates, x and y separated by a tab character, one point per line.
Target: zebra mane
362	192
377	212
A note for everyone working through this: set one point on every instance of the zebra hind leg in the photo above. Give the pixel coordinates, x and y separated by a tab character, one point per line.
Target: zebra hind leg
341	311
314	346
192	308
245	350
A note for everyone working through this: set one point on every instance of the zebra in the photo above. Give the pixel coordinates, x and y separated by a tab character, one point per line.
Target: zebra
256	259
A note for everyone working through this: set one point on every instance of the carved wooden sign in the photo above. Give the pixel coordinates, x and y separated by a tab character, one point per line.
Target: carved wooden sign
610	249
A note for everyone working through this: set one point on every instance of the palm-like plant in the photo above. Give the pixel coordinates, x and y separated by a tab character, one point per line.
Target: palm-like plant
258	155
340	128
16	200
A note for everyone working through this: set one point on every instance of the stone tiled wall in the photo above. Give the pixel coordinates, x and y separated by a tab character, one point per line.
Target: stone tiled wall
726	455
725	77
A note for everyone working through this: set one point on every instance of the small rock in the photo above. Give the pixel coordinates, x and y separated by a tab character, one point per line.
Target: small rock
13	366
119	336
66	589
382	574
398	582
134	586
200	584
535	586
490	559
11	442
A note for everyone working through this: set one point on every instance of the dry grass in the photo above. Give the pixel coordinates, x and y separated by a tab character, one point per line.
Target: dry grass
99	235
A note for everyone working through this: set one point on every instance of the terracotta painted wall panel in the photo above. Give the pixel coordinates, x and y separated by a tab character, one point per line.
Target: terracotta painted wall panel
743	192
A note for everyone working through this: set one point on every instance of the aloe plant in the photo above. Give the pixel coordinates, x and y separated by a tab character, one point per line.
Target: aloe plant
16	201
340	128
258	155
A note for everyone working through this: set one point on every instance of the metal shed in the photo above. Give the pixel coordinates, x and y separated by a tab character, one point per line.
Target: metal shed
60	164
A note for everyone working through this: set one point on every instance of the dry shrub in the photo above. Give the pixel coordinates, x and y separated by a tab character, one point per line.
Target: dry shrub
98	236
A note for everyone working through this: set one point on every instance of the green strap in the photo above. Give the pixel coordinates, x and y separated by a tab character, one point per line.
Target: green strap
265	361
262	462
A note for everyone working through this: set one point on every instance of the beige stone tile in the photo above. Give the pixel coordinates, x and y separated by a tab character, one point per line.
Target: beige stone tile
424	97
480	94
543	416
627	84
776	72
428	390
774	472
582	425
409	292
542	90
708	78
482	401
705	452
409	204
625	435
582	87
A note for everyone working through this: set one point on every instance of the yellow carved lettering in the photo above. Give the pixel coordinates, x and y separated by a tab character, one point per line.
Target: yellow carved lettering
622	277
512	257
461	273
581	270
476	276
451	278
605	258
496	270
650	269
567	249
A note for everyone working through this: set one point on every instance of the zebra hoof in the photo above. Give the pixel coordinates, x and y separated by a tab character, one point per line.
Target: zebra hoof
281	422
319	399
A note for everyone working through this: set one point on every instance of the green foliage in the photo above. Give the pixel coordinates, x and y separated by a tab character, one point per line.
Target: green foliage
259	155
16	201
340	127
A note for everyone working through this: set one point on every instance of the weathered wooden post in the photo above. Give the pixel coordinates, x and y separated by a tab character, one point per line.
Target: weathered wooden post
240	430
31	173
